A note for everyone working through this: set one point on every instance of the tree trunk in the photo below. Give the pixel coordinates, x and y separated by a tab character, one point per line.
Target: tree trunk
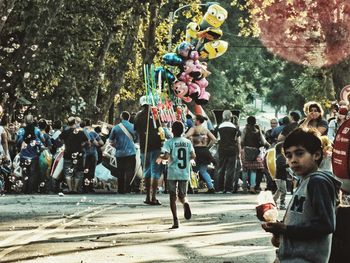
150	36
126	55
329	90
95	75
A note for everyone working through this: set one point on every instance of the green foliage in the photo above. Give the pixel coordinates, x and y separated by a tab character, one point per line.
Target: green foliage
80	57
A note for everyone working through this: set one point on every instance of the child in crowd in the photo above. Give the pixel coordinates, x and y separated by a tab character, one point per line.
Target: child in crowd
179	151
281	176
305	235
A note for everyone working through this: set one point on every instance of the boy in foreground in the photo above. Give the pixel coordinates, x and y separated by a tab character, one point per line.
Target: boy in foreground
305	234
179	151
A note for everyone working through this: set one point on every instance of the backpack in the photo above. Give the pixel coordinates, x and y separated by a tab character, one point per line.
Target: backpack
341	154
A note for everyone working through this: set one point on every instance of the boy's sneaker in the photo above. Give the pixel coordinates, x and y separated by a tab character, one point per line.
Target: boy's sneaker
187	211
282	207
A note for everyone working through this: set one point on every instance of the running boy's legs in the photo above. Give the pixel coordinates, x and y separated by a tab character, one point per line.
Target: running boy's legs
180	186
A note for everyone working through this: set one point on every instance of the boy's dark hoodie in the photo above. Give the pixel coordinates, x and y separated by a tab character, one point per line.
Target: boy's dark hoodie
310	220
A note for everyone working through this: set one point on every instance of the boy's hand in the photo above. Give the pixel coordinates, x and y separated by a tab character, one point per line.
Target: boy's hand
159	160
274	227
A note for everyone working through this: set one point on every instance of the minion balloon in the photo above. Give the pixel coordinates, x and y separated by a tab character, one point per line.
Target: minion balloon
213	49
191	33
209	34
214	17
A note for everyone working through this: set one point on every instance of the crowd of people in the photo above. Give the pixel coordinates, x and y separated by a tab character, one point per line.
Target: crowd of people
170	153
239	160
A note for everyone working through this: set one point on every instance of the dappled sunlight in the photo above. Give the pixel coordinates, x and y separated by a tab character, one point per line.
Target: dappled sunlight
224	229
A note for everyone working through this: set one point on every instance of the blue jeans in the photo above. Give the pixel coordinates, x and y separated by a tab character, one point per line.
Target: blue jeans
203	171
151	168
251	174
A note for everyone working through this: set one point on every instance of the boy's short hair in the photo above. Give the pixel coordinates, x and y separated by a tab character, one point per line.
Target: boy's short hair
309	138
177	128
125	115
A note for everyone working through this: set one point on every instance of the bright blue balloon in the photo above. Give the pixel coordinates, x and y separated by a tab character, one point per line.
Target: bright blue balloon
165	74
173	59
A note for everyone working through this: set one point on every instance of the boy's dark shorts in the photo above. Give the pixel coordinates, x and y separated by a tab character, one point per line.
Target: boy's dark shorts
180	185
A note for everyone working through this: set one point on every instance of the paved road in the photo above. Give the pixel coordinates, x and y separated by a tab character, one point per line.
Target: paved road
120	228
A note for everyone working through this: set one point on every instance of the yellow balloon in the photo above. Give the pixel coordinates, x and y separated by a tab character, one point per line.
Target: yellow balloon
210	34
214	17
191	32
271	161
213	49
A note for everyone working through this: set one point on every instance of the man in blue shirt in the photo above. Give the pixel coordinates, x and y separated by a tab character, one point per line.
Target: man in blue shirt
121	137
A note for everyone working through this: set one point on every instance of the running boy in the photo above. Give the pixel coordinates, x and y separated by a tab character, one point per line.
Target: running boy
179	151
305	235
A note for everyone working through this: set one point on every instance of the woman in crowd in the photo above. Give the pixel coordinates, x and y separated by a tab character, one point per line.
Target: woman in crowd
314	117
202	139
252	140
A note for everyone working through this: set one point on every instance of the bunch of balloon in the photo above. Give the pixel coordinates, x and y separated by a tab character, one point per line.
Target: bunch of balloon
190	57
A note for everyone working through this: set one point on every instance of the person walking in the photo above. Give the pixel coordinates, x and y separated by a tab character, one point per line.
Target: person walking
122	138
178	151
90	155
202	139
74	140
150	144
229	149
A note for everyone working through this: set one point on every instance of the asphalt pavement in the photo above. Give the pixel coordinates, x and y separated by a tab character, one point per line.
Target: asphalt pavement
121	228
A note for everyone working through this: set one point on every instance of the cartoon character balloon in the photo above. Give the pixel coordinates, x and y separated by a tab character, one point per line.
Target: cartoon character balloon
191	33
214	17
181	91
187	51
202	43
213	49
